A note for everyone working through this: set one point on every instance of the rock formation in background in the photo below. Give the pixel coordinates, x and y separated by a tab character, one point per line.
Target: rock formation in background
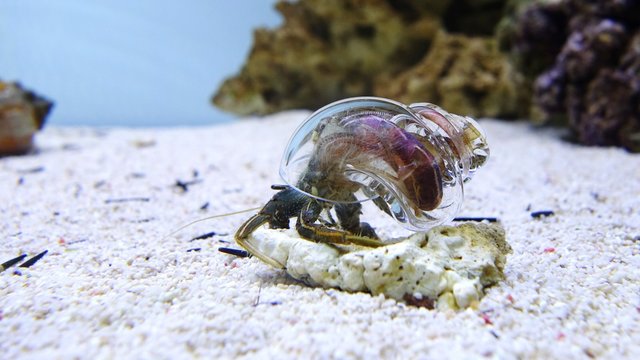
329	50
574	62
464	73
584	61
22	113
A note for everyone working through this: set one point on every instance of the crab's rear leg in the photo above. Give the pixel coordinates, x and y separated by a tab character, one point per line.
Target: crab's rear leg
308	229
349	217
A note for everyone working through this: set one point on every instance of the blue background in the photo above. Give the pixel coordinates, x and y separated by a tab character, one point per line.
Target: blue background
131	63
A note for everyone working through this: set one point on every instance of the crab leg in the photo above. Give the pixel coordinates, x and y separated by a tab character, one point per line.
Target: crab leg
307	228
249	227
284	205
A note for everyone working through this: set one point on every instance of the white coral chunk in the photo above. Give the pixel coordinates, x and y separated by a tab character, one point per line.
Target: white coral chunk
449	265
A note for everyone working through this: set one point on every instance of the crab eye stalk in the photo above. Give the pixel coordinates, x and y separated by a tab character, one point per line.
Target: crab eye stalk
411	160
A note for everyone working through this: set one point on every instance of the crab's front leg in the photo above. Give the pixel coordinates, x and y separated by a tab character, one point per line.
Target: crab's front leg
284	205
309	229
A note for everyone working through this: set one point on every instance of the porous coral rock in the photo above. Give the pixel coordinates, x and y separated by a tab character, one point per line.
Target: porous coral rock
468	74
22	113
592	80
328	50
447	267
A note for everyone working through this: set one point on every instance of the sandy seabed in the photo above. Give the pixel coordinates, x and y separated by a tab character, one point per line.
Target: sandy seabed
112	285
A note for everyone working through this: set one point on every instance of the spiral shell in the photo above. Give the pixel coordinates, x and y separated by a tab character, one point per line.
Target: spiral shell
411	160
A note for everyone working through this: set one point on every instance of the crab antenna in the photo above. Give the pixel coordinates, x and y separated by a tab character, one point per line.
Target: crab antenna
209	218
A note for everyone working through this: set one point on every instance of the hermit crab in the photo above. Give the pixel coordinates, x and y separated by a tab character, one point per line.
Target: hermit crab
410	161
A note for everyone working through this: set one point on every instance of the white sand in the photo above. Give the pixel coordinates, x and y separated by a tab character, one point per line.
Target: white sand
112	287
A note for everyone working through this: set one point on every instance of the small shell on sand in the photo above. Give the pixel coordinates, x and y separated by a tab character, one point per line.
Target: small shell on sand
447	267
22	113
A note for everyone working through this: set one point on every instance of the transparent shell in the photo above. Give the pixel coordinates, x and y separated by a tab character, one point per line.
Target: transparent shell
411	161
